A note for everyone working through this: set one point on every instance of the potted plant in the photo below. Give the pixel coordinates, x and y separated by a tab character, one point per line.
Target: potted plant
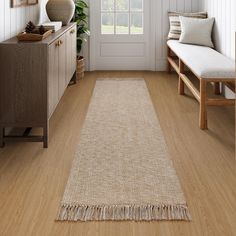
81	18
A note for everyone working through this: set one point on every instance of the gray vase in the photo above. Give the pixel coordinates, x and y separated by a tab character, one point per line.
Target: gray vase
60	10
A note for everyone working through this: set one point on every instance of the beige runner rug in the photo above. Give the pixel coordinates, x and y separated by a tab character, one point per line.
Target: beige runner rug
122	169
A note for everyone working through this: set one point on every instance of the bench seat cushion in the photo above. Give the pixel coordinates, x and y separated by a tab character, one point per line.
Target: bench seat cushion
205	62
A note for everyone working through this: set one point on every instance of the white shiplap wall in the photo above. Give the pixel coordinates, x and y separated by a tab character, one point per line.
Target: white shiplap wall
162	27
224	12
13	20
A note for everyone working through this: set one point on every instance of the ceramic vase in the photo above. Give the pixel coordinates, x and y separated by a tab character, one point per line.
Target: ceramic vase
60	10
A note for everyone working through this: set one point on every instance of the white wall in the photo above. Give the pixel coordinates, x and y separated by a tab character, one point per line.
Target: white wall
42	12
224	12
13	20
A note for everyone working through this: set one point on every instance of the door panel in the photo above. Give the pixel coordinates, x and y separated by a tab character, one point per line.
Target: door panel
62	65
120	35
122	50
73	33
71	53
68	56
53	83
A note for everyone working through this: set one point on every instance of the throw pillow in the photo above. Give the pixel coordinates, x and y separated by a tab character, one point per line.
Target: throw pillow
175	27
197	31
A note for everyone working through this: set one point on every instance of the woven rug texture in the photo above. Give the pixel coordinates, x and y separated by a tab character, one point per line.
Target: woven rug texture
122	169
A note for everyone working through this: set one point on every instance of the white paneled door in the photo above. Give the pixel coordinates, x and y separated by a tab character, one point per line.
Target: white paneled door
121	37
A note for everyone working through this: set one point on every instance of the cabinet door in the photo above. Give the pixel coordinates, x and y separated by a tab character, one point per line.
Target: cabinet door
68	57
53	73
62	65
71	52
74	49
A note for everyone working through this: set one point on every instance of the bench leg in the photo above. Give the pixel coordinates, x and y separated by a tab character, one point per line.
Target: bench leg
2	133
45	136
203	106
181	86
217	88
181	82
168	63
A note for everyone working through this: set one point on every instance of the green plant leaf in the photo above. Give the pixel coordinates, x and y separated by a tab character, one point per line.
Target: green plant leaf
81	19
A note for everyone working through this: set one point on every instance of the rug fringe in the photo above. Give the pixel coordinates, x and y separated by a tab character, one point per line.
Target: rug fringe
120	213
120	79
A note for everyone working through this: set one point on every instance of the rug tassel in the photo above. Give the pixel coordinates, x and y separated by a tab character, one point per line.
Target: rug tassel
126	212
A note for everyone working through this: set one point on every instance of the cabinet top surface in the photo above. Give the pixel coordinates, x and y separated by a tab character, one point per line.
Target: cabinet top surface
46	41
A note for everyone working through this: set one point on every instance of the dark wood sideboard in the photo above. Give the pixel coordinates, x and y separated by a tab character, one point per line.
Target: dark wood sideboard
33	78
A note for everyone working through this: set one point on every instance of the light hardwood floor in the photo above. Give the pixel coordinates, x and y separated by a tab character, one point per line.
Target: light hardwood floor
32	179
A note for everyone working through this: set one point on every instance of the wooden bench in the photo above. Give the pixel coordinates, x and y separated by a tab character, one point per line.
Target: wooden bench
209	66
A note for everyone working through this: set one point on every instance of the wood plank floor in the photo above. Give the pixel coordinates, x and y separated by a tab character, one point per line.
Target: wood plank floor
32	179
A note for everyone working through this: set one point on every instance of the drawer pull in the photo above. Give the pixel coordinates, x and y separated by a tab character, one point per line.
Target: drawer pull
59	43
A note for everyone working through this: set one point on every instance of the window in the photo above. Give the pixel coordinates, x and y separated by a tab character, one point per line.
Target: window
122	17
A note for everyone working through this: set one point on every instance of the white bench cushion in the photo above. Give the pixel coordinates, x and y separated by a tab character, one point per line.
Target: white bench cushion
205	62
